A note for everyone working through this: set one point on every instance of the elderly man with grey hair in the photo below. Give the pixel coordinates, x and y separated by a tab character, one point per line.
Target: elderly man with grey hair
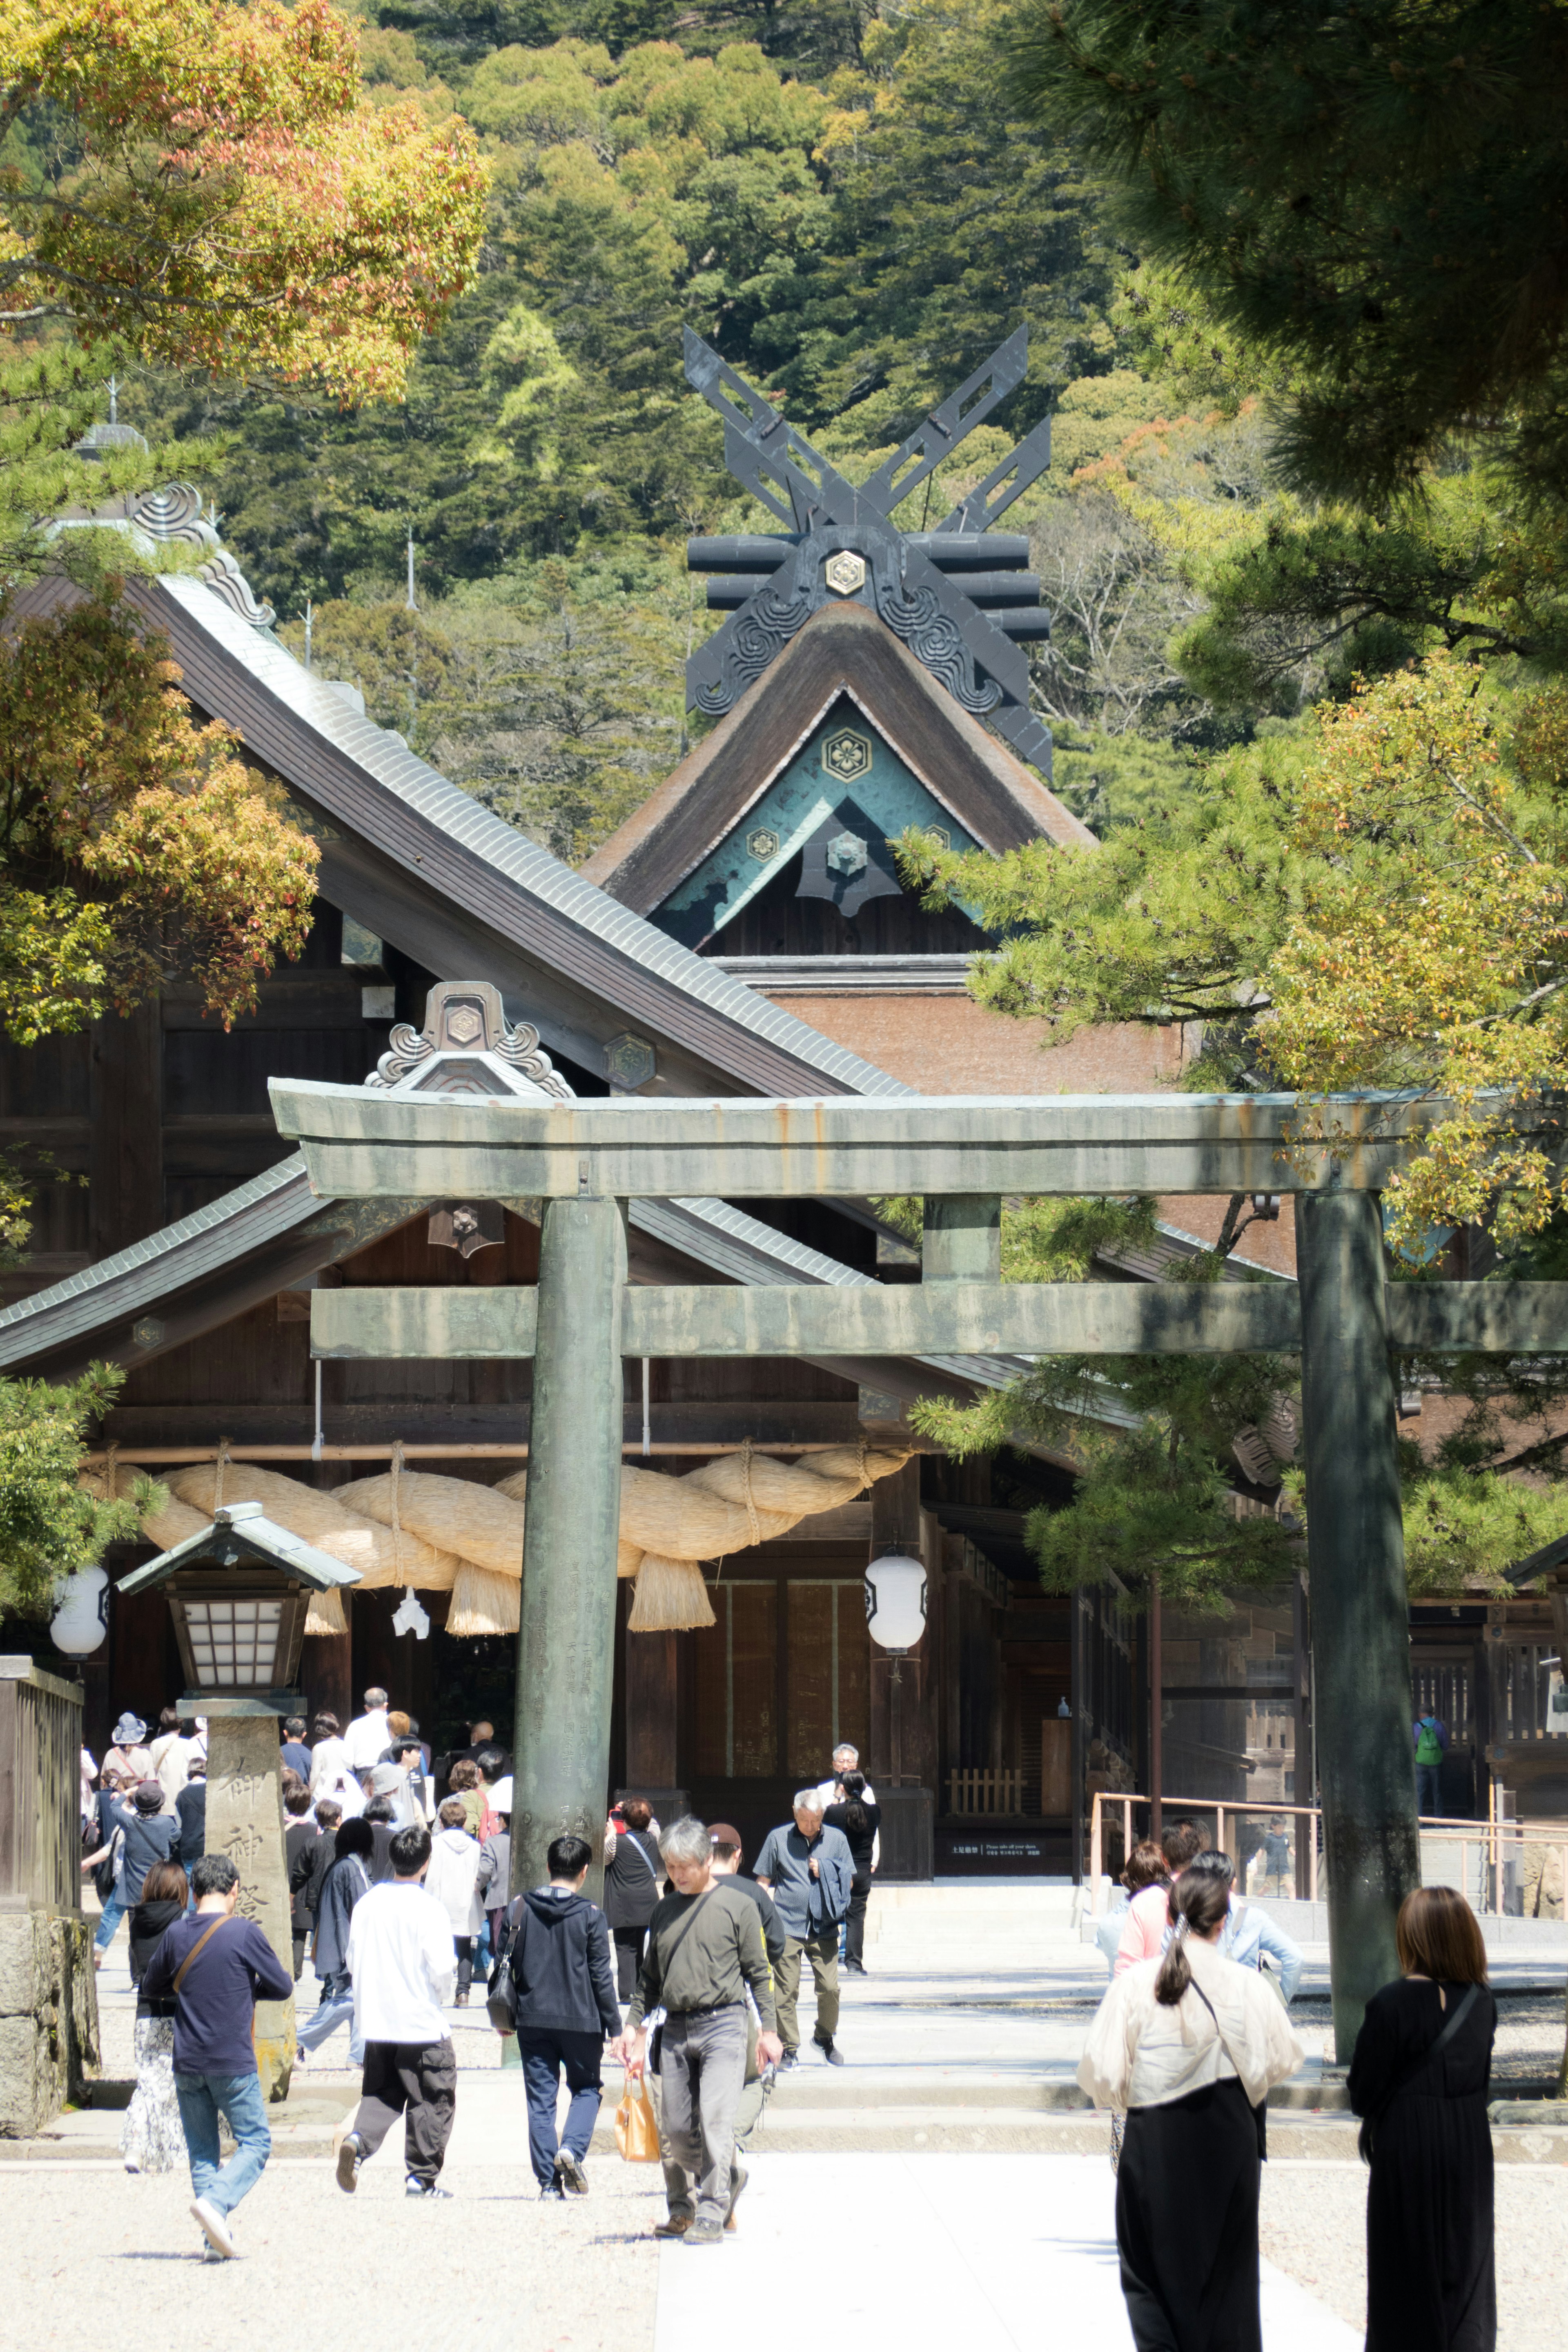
704	1948
807	1867
831	1790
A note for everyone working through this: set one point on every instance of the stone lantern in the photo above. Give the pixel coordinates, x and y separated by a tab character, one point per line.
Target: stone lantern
238	1592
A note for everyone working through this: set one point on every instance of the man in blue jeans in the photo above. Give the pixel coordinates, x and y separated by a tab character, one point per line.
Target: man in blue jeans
565	2012
217	1967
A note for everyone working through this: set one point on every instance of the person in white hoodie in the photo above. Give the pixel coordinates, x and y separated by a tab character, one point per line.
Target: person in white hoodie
452	1879
1188	2047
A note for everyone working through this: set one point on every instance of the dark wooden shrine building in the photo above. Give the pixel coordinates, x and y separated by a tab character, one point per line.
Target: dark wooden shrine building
746	931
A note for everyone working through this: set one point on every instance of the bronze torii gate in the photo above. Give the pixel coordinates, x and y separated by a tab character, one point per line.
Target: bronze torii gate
584	1158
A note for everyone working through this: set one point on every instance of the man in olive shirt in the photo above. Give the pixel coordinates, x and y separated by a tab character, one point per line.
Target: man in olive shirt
704	1948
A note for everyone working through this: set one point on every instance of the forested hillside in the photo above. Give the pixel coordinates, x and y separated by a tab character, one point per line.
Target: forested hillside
853	205
846	204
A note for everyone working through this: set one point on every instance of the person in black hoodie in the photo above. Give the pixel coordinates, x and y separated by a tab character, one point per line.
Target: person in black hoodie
191	1808
560	1951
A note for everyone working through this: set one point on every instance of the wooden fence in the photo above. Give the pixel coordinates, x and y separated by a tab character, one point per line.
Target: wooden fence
984	1792
40	1824
1490	1852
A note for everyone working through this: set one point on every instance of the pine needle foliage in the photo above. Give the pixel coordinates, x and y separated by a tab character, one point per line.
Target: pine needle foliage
1366	198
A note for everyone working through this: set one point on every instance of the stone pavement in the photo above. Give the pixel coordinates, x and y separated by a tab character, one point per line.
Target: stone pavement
994	2252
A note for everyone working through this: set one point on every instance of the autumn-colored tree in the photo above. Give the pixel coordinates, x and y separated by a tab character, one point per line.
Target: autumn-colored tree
227	199
134	842
1430	944
202	183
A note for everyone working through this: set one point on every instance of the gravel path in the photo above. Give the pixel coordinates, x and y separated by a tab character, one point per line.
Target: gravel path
1314	2227
494	2265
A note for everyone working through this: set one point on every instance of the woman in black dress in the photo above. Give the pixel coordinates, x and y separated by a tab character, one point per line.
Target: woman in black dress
1429	2273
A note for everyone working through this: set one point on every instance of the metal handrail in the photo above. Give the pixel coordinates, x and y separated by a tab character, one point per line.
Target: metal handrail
1496	1835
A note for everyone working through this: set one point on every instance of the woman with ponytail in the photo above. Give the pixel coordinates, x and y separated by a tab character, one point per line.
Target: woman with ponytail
1188	2047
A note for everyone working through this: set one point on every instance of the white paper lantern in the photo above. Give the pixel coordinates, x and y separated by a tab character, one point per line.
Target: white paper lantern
78	1625
894	1602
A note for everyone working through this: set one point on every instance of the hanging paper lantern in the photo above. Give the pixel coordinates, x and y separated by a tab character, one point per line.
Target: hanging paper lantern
80	1621
894	1602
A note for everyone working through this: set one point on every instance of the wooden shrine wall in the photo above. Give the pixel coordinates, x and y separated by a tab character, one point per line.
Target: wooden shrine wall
163	1111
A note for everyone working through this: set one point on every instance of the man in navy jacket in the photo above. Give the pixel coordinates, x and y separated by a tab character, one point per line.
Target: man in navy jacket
217	1967
559	1953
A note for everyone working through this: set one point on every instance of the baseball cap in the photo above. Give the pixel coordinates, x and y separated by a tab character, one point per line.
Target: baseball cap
385	1780
724	1833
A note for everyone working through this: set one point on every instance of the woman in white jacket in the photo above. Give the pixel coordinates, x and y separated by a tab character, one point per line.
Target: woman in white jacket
1188	2048
454	1867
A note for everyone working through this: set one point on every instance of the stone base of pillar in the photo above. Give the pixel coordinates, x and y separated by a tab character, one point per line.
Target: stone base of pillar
245	1820
49	2016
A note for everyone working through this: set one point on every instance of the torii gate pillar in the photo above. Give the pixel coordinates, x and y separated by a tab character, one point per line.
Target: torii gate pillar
1355	1557
565	1640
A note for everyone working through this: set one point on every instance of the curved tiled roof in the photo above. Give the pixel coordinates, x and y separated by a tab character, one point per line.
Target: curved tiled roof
201	1244
494	871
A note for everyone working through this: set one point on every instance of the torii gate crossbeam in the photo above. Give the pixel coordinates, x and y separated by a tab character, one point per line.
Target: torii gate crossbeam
961	1154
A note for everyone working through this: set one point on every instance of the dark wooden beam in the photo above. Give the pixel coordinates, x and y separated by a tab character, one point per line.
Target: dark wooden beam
125	1159
724	1421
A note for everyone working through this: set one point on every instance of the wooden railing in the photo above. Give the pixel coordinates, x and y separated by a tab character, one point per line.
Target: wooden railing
40	1823
1501	1840
987	1792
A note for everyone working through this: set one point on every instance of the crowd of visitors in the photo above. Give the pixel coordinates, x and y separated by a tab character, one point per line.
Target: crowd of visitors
398	1872
1140	1928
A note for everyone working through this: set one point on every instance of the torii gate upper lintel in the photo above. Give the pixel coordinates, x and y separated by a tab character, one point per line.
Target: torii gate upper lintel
963	1154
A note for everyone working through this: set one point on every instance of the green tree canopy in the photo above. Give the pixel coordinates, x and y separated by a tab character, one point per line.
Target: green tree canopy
1368	196
49	1525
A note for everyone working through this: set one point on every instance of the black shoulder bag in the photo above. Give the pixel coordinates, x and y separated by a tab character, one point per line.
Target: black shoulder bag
502	1991
1368	2132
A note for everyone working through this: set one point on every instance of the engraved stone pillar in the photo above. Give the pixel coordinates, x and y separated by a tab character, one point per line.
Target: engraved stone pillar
245	1820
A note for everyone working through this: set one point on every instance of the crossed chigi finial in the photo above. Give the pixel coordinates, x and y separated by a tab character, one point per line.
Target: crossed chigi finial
961	602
